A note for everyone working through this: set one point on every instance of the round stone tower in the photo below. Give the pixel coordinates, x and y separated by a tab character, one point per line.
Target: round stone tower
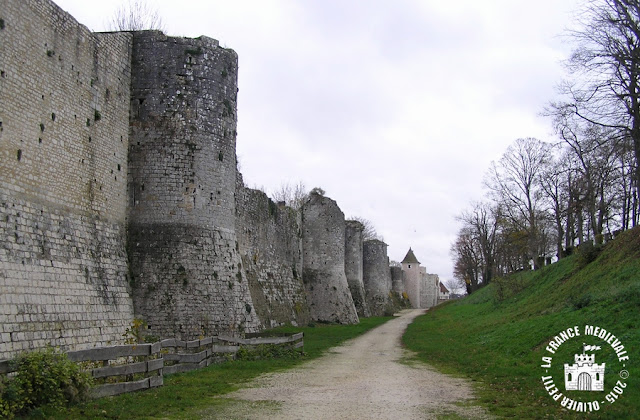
412	277
353	265
187	274
323	273
377	276
397	280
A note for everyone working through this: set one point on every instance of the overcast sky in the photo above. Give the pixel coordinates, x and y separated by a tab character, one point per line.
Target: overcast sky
394	108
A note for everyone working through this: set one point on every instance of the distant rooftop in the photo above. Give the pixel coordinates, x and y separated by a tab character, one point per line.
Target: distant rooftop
410	258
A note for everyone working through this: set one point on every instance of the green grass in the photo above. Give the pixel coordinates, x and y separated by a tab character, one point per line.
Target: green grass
183	396
498	335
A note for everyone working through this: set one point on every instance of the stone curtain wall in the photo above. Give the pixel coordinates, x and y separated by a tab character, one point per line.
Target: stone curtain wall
63	148
377	276
323	242
429	290
271	247
353	266
188	276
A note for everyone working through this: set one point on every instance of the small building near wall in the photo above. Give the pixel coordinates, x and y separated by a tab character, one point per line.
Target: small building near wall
444	293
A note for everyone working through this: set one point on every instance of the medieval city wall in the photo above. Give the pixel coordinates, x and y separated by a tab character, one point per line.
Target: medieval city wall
187	273
270	243
63	145
323	242
120	197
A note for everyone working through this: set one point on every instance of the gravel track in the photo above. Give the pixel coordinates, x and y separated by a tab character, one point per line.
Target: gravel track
370	377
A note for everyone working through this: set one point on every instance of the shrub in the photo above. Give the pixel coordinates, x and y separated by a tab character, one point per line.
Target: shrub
44	377
579	302
9	399
587	253
506	287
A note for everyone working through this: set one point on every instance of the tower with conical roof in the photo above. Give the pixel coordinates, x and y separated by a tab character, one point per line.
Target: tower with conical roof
421	287
412	277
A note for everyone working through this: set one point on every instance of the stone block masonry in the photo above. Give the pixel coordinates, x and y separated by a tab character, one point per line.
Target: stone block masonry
188	275
120	197
63	164
323	242
397	280
429	290
271	247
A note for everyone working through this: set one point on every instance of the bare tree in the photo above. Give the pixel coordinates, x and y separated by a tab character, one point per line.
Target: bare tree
481	223
628	188
605	88
455	286
369	232
555	181
293	196
136	15
467	259
514	184
596	174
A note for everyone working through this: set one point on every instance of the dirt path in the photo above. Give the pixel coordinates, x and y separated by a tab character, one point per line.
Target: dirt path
365	378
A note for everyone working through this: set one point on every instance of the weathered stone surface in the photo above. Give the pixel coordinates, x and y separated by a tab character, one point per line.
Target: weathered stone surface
323	241
120	196
429	290
186	266
377	276
270	241
397	280
353	266
63	147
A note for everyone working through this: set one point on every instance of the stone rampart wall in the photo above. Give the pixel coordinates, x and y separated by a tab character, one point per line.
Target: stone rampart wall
270	241
120	197
429	290
63	147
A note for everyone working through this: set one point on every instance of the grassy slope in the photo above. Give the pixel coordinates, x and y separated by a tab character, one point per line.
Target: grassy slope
185	395
499	342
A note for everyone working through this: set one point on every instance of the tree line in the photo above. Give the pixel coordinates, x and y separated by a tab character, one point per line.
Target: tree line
545	199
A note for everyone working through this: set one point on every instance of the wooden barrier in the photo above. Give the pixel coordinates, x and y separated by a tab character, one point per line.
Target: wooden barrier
132	367
126	368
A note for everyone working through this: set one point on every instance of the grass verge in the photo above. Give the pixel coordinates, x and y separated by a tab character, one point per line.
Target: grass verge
498	336
184	395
